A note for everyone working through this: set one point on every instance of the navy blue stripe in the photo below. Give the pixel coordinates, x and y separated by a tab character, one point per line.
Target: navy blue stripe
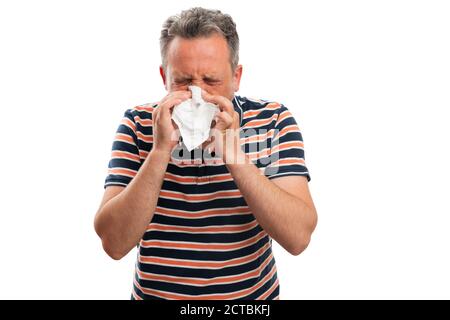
199	188
202	237
234	219
203	205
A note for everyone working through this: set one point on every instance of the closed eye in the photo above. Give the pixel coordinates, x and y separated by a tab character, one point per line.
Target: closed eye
210	80
182	81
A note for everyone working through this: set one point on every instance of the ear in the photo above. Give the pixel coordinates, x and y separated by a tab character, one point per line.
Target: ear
237	77
163	76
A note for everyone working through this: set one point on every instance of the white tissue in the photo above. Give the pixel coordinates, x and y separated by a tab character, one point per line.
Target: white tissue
193	118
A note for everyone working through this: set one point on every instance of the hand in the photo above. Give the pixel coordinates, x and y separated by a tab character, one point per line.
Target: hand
225	133
165	130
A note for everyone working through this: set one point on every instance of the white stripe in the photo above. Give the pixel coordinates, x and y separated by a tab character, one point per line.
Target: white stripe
115	183
290	173
194	215
190	195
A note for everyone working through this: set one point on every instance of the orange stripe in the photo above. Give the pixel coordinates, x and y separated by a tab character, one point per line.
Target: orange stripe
194	197
287	129
238	228
205	213
143	137
233	295
144	107
173	177
143	122
125	155
287	145
129	123
143	154
260	122
202	246
124	137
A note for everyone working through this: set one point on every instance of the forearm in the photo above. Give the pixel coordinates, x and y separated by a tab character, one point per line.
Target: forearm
123	219
286	218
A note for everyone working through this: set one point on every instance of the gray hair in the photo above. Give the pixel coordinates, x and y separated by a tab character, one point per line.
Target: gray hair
199	22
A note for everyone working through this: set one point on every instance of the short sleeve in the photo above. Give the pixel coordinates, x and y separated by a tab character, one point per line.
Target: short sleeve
287	154
125	160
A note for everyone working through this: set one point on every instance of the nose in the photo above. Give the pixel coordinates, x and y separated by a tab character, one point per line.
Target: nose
198	83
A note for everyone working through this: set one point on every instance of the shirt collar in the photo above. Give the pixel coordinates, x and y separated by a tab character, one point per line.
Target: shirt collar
238	108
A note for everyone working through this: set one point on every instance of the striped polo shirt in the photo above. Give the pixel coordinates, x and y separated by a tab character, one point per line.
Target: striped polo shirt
203	241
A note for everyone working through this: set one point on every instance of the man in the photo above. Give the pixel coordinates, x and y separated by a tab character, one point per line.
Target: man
205	230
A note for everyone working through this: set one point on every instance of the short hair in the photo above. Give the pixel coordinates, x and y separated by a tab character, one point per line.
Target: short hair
199	22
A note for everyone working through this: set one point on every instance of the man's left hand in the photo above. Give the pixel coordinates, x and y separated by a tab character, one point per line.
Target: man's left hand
225	133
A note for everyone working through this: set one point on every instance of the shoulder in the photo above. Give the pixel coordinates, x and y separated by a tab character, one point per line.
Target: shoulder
142	111
258	109
139	118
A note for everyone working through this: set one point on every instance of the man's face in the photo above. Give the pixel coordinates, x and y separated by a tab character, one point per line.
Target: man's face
203	62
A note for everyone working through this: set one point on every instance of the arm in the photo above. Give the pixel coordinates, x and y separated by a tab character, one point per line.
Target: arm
125	213
122	220
283	207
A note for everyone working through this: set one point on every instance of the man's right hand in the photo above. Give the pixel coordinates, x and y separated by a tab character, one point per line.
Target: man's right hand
165	130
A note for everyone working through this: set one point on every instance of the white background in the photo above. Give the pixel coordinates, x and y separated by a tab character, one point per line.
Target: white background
367	81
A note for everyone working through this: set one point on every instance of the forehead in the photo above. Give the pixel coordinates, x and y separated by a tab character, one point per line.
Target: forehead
205	55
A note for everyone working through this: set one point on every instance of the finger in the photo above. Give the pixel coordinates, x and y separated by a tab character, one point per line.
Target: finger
209	144
181	95
155	112
223	120
167	107
176	94
223	103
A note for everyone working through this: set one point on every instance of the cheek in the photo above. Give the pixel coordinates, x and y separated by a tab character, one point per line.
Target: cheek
178	87
223	89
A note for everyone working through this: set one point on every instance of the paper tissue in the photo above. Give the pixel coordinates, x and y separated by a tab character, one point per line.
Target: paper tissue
193	118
